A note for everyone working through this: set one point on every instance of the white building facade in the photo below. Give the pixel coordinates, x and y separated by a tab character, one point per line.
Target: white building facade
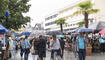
67	13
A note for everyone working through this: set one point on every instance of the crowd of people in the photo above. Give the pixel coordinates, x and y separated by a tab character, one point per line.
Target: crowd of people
38	46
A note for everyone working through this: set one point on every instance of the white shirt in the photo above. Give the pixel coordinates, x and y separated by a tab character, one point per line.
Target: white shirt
56	44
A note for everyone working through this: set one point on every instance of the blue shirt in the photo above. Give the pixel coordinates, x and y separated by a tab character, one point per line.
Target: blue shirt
27	44
81	43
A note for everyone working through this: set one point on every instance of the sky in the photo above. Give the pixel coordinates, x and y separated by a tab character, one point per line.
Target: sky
41	8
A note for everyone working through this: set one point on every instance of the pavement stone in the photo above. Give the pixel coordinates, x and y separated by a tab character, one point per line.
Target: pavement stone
67	56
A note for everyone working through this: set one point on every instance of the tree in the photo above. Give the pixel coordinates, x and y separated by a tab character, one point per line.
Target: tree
60	22
81	23
17	9
85	8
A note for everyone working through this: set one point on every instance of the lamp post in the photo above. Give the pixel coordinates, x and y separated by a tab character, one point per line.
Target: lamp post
6	15
5	51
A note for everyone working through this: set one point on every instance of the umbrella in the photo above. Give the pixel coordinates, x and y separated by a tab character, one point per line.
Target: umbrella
61	36
26	33
36	34
97	26
101	41
16	34
84	30
54	33
102	31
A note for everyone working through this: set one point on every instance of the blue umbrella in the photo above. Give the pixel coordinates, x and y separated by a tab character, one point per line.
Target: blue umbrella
26	33
101	41
61	36
16	34
84	30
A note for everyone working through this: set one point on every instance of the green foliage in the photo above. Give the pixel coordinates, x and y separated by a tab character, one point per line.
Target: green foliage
91	11
61	21
77	12
81	23
16	8
86	7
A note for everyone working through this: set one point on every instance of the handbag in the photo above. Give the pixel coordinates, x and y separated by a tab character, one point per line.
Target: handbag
28	50
32	50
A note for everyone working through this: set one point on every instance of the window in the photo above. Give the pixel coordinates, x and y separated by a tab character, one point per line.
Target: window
51	17
70	24
51	23
47	29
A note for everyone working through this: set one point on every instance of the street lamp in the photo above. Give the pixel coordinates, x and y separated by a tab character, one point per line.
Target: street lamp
6	15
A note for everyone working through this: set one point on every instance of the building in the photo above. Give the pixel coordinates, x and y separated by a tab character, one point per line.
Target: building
99	4
72	21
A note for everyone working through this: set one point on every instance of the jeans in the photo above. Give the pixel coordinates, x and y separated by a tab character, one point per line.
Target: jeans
21	53
26	54
62	53
48	44
82	54
53	51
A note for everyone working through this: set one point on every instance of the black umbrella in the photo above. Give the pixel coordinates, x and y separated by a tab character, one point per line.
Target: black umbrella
54	33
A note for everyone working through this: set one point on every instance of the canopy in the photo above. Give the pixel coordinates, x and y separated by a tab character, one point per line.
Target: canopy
102	31
3	29
97	26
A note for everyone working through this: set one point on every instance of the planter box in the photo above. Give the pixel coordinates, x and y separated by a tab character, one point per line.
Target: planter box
88	51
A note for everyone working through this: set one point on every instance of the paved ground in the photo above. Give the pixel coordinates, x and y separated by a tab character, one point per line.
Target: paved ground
67	56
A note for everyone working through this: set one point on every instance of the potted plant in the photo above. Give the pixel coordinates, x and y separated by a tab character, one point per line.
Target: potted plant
89	50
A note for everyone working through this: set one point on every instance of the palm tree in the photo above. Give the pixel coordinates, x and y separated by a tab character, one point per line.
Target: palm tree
85	8
60	22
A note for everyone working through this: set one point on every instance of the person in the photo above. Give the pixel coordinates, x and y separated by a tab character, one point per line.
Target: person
34	48
27	46
42	48
62	44
102	45
12	48
96	46
15	45
6	39
74	46
55	47
81	43
48	42
22	46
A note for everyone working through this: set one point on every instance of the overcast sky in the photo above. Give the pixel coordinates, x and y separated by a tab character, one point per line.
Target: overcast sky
40	8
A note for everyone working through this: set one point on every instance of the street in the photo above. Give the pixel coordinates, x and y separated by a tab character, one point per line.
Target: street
68	56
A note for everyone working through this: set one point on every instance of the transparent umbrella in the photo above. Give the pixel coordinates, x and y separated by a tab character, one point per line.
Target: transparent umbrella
36	34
